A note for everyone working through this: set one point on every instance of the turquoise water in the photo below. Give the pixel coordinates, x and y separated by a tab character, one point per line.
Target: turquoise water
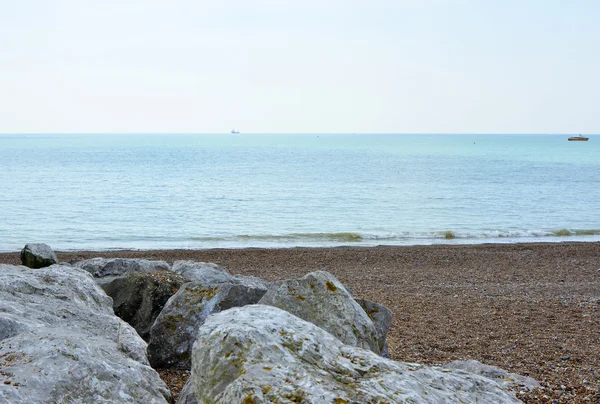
204	191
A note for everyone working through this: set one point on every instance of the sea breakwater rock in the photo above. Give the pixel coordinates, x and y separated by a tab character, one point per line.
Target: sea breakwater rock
500	376
65	345
212	274
103	267
38	255
176	327
382	319
321	299
139	297
207	272
262	354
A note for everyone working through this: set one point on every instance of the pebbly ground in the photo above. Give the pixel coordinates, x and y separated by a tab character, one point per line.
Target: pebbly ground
532	309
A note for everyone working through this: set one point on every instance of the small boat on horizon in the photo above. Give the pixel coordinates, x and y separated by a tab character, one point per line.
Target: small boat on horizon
235	132
578	138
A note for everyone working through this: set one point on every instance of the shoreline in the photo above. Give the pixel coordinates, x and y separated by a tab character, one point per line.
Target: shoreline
112	250
358	244
530	308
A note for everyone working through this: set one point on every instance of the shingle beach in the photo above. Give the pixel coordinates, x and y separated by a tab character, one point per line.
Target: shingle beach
532	309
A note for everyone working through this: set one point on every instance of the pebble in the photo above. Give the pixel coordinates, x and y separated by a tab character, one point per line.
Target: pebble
566	357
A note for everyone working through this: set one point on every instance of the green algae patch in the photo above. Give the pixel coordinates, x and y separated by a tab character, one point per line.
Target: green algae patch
249	399
449	235
201	294
562	233
331	286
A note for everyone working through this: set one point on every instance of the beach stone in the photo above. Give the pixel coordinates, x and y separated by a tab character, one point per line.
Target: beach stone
65	345
382	319
38	255
174	331
139	297
103	267
261	354
212	274
321	299
500	376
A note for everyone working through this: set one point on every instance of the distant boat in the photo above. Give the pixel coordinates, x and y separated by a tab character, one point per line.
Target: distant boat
235	132
578	138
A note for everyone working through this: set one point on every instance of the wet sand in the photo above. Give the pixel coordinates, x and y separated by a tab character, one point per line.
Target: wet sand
532	309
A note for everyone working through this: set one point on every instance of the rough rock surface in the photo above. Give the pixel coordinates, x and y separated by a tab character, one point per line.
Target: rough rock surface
202	271
102	267
139	297
500	376
65	345
212	274
321	299
382	319
176	327
261	354
187	395
38	255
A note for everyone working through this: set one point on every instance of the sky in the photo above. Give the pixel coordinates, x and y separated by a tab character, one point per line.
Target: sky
304	66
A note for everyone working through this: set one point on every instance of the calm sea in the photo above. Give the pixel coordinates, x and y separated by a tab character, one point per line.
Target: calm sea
204	191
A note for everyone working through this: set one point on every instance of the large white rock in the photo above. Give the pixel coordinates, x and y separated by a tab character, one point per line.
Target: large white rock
321	299
63	344
261	354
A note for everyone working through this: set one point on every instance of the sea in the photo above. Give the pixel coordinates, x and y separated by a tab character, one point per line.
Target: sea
201	191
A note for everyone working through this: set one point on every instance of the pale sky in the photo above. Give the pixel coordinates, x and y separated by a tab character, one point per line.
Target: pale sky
280	66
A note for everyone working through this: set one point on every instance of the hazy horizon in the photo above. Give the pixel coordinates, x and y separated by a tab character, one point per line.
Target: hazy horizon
294	133
277	66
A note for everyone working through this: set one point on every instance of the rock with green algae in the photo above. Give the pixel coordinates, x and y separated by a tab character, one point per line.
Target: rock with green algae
65	345
261	354
139	297
321	299
175	329
38	255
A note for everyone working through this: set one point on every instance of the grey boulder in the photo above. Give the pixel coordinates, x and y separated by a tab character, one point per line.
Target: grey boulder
206	272
321	299
38	255
64	344
103	267
261	354
139	297
211	274
176	327
382	319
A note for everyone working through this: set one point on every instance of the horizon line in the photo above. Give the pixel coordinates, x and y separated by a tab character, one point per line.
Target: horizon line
293	133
